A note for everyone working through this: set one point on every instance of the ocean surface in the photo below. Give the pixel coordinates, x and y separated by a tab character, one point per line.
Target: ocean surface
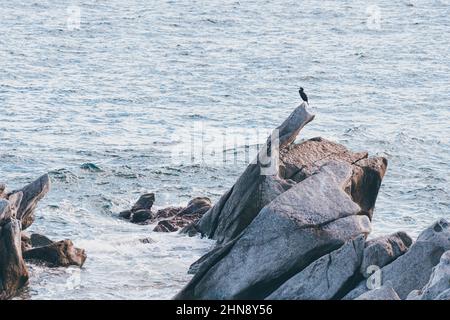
112	98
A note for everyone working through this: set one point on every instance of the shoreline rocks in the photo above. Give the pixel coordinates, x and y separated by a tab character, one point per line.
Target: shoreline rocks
17	214
412	270
299	232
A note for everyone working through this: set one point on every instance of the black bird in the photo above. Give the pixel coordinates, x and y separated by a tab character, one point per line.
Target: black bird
303	95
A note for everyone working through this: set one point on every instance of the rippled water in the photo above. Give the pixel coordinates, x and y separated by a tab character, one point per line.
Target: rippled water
123	90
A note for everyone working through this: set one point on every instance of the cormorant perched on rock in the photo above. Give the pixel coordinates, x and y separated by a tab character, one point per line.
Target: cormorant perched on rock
303	95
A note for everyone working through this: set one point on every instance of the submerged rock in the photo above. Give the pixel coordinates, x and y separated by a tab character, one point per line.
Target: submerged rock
62	253
383	250
412	270
326	277
309	220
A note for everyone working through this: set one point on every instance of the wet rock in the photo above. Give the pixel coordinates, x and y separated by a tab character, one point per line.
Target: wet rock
239	206
166	226
145	202
8	208
168	212
302	160
185	217
256	188
39	240
412	270
126	214
141	215
326	277
6	211
385	292
141	210
311	219
444	295
438	283
147	240
383	250
32	193
62	253
13	272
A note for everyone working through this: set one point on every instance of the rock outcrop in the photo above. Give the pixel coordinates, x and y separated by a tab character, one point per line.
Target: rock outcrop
299	226
385	292
13	272
257	186
168	219
16	214
275	227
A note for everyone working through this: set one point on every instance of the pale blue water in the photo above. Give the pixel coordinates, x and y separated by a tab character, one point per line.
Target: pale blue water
124	89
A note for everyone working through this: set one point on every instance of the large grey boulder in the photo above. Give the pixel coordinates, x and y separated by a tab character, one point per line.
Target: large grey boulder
444	295
383	250
438	283
16	214
256	187
412	270
31	195
2	190
326	277
385	292
311	219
